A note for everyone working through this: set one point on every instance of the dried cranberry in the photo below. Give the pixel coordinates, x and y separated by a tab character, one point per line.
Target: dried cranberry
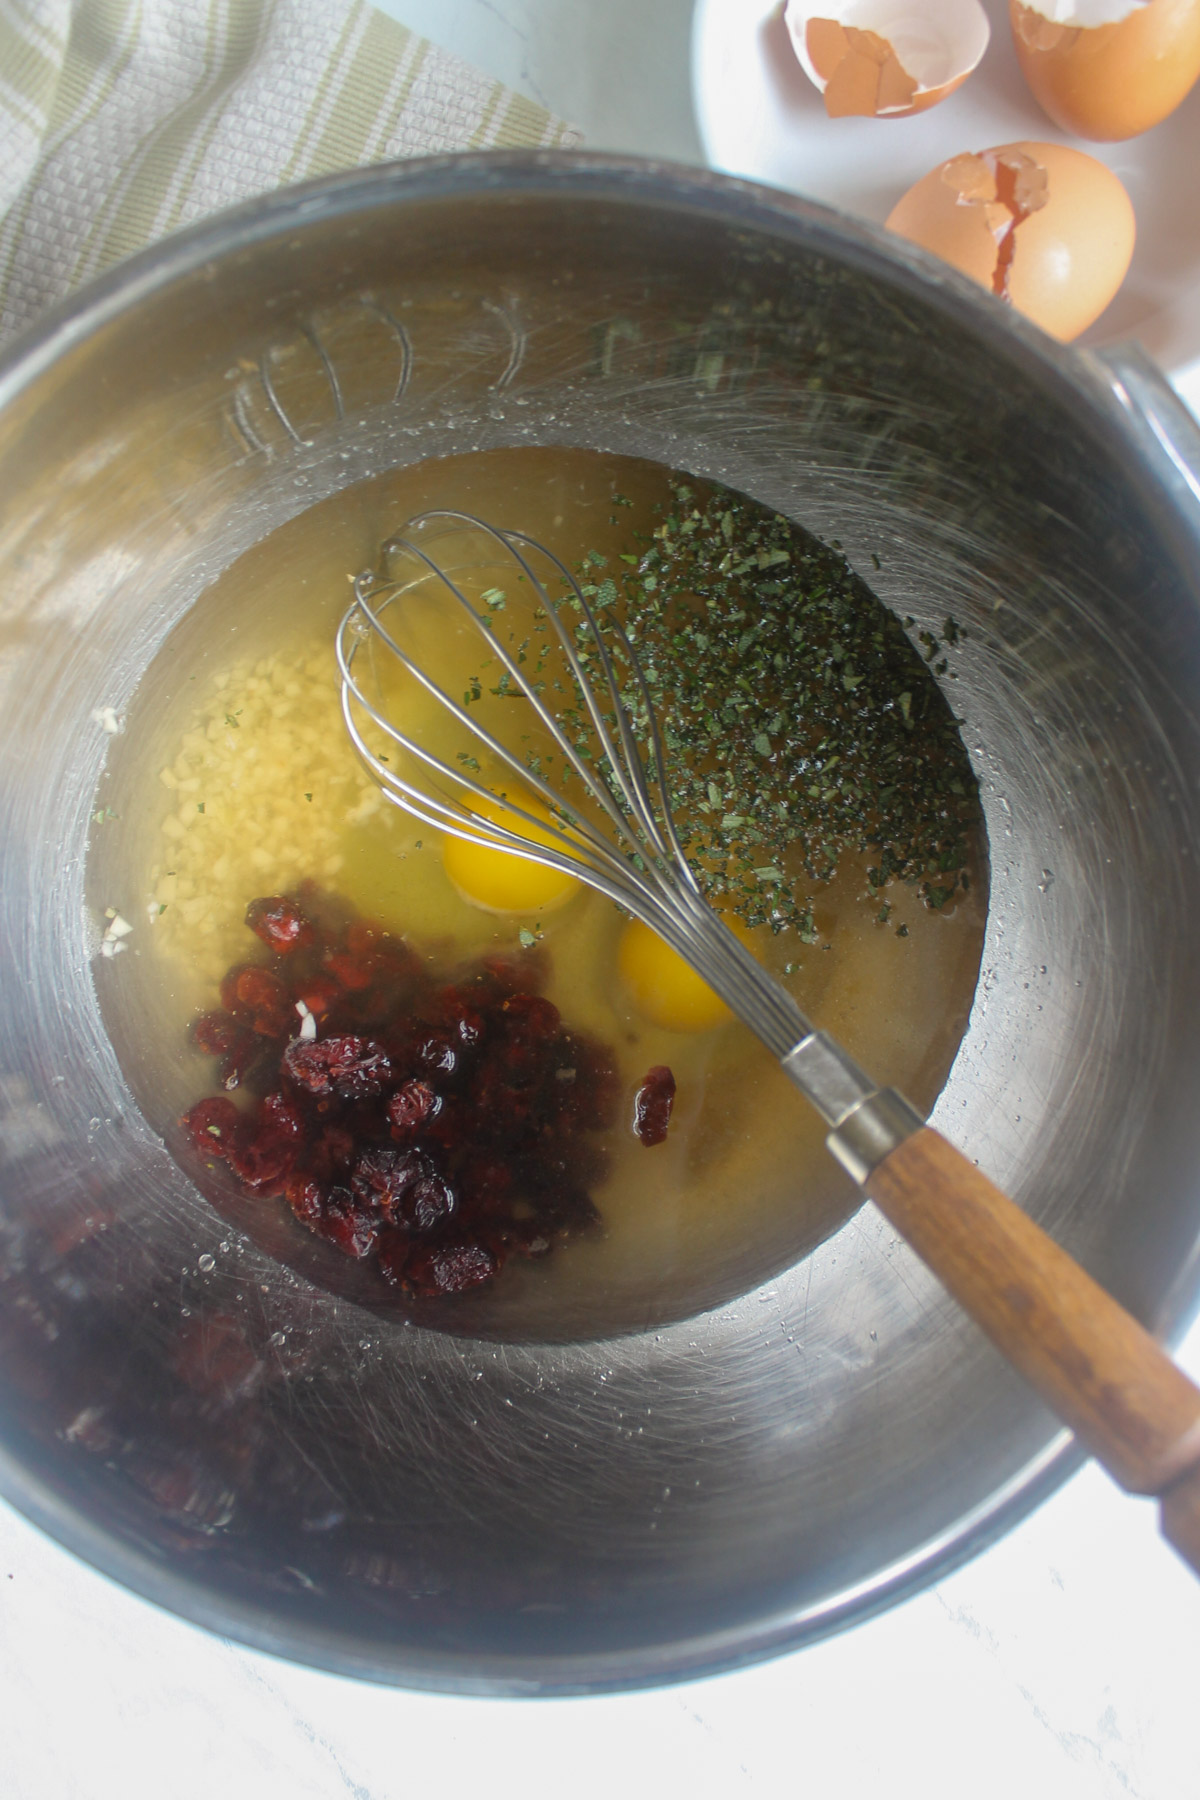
239	1046
354	973
523	1061
279	1117
348	1226
411	1106
505	975
383	1175
449	1125
267	999
228	989
216	1033
435	1054
504	1114
306	1197
532	1016
449	1268
256	995
352	1068
331	1152
212	1125
429	1204
251	1057
652	1105
487	1185
395	961
405	1187
436	1129
462	1020
261	1163
280	923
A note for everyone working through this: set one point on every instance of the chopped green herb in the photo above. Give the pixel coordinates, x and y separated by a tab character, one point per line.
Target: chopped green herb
800	721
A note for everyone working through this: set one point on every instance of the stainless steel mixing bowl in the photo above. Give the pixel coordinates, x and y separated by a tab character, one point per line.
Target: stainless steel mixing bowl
233	1440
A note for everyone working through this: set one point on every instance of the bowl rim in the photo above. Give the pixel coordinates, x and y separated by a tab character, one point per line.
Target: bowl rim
558	1676
1079	377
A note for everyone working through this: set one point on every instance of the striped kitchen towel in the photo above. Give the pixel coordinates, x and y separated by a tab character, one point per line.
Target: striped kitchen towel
123	119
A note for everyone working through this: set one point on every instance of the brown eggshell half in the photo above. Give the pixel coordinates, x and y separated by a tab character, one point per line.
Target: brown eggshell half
858	53
1073	255
1109	82
923	99
1068	258
931	215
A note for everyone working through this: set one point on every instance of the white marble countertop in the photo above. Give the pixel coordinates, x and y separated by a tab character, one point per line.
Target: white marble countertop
1059	1663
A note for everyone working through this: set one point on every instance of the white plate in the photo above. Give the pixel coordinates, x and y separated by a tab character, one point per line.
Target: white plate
760	116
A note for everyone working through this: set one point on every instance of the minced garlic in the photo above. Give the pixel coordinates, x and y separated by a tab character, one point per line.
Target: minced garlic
263	787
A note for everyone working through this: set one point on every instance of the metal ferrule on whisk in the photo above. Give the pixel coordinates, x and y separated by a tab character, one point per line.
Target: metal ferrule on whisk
633	853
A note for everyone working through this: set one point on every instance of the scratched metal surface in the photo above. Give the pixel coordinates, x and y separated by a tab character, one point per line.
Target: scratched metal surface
209	1412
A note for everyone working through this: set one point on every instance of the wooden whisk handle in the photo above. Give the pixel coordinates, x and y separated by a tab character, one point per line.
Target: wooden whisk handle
1100	1371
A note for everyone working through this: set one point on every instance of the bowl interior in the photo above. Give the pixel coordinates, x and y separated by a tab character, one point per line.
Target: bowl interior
217	1427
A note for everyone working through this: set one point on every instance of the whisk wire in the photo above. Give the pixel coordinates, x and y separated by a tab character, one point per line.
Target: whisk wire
611	875
484	829
363	608
625	769
629	769
643	866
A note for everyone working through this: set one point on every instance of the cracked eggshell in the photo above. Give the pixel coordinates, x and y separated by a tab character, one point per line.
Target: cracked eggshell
1044	227
1108	69
886	59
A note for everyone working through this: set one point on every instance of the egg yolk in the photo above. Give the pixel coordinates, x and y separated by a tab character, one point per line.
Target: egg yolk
664	988
499	881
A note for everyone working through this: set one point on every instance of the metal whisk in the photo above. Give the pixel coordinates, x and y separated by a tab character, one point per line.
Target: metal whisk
1090	1360
627	844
